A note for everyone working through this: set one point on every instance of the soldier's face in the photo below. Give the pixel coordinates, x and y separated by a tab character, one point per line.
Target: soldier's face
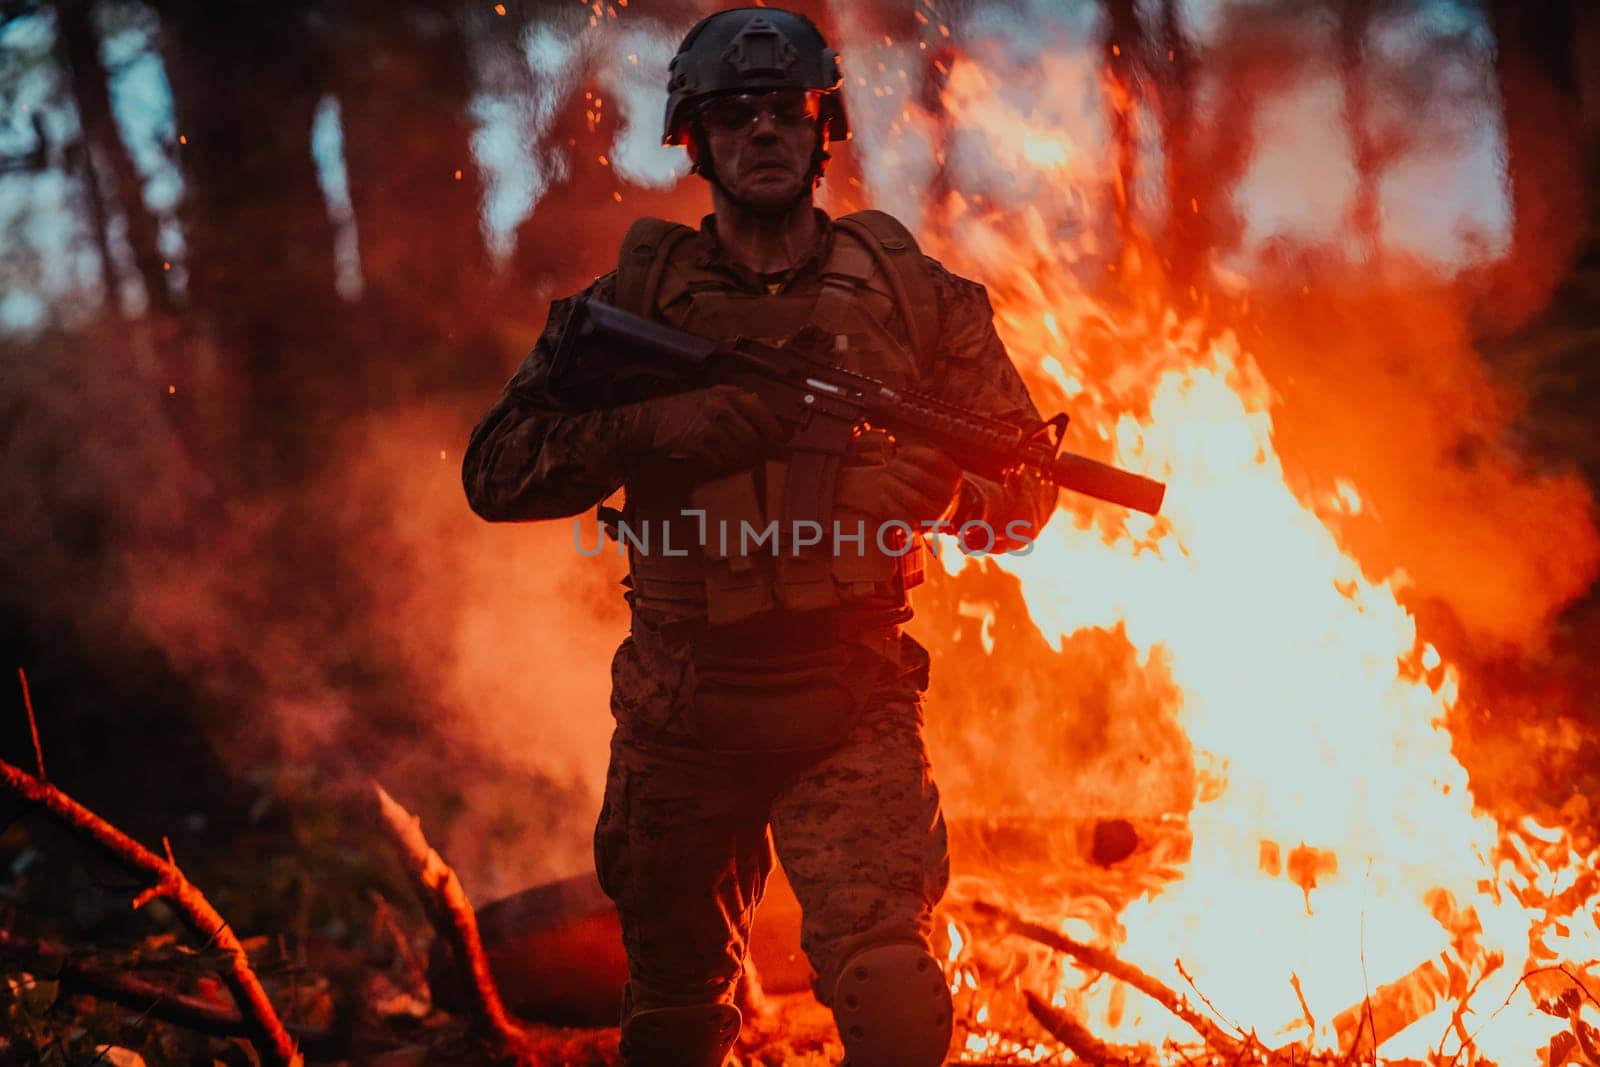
761	144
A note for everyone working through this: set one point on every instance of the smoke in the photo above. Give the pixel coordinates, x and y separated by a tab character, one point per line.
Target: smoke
360	623
1349	186
356	619
508	626
363	621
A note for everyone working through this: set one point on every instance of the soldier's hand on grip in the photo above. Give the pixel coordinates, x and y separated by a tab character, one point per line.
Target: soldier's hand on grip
918	483
714	429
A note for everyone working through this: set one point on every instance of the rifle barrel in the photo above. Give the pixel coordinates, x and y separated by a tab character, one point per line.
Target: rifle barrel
1084	475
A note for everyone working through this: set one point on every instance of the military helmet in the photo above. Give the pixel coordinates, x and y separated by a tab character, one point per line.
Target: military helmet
751	49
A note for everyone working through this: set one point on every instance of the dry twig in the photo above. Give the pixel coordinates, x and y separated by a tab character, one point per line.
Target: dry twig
385	923
1188	978
1103	961
1177	1049
33	725
452	916
265	1029
1556	969
1311	1020
133	991
1366	1019
1458	1018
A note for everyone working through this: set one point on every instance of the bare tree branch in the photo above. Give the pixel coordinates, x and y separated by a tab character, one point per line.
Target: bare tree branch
137	992
1103	961
33	725
452	915
266	1031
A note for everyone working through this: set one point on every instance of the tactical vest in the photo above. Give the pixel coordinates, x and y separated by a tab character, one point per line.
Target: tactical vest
714	564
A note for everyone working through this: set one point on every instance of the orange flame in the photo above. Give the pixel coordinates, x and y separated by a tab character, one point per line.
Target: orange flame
1338	860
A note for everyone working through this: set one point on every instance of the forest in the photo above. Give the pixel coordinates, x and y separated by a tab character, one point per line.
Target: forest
262	267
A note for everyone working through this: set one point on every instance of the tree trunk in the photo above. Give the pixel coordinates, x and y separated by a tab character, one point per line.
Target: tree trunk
1188	199
103	142
574	231
405	87
1354	19
1251	56
1122	45
246	80
1535	63
76	158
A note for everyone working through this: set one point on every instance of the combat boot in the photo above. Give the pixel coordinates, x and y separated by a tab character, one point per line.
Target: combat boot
697	1035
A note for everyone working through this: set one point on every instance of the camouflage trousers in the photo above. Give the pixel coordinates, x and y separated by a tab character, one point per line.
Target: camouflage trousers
686	836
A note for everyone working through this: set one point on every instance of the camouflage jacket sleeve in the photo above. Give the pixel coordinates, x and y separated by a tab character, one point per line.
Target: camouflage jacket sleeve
530	457
973	369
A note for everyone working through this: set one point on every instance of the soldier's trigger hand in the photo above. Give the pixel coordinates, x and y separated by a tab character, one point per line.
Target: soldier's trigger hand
919	483
714	429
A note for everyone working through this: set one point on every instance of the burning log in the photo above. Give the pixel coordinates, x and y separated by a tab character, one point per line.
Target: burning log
1390	1009
1105	962
554	951
264	1029
447	906
1069	1031
142	994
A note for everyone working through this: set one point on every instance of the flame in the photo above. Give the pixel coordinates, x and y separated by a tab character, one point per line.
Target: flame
1338	864
1323	880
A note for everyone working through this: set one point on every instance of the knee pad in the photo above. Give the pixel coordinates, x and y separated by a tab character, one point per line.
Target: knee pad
698	1035
893	1008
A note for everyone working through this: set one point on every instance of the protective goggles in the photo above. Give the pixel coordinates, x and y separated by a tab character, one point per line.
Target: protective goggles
740	111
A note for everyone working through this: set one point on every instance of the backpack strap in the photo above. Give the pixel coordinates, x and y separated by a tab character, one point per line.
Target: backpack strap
902	263
642	260
646	250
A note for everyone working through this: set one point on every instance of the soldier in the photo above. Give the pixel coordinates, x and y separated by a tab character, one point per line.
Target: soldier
766	697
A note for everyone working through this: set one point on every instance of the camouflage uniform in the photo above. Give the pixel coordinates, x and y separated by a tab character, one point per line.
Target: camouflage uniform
686	834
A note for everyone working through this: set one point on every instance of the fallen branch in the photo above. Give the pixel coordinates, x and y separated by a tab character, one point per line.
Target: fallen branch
266	1030
1105	962
133	991
452	916
1311	1020
1069	1031
1390	1008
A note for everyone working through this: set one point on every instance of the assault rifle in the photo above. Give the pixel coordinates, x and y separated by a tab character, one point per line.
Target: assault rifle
608	356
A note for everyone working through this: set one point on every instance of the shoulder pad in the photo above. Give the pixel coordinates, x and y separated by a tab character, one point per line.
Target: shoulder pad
646	249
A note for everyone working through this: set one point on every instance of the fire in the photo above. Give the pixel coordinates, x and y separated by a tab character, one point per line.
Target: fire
1322	880
1340	883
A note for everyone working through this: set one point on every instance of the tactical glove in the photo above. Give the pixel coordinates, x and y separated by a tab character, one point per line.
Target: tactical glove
918	484
714	429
